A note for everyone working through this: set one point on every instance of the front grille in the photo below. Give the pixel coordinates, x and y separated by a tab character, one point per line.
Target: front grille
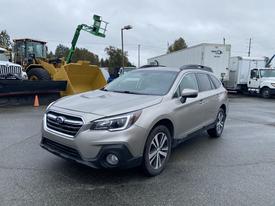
64	124
59	148
4	70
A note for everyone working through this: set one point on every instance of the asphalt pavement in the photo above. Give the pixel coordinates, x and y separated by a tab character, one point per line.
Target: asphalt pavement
236	169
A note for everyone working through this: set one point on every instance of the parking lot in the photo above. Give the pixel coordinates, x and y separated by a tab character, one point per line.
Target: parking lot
236	169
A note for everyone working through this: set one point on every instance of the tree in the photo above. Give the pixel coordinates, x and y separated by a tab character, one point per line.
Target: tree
104	62
177	45
115	60
5	41
115	57
62	51
50	55
86	55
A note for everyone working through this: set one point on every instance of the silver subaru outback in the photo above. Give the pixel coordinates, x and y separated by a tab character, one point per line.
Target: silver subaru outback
137	119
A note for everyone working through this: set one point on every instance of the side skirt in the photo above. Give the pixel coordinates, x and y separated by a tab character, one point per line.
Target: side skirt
176	142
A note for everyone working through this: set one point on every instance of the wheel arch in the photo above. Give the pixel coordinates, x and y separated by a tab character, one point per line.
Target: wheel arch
223	106
264	87
167	123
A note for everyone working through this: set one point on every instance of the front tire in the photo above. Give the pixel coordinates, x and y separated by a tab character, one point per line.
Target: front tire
157	151
265	93
219	125
38	74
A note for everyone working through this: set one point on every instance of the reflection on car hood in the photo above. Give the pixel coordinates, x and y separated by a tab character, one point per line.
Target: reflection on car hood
107	103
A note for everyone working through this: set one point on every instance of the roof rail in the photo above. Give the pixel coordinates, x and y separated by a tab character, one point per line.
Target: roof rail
196	66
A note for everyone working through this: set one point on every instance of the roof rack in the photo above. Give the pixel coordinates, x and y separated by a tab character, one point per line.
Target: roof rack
196	66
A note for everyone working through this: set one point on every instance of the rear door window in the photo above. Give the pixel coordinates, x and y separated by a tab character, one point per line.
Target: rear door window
204	82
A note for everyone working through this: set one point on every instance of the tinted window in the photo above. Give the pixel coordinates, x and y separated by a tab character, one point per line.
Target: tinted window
204	82
188	82
215	81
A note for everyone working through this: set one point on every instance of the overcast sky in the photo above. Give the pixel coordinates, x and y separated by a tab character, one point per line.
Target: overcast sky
155	23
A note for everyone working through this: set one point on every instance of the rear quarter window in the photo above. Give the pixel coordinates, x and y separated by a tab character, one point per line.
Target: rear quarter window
215	81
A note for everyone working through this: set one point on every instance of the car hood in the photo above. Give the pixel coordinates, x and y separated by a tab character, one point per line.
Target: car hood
106	103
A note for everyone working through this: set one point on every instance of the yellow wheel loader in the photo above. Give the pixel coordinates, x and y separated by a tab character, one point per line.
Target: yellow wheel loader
80	76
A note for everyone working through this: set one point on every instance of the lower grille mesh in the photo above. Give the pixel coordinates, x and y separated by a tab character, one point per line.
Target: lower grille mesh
61	148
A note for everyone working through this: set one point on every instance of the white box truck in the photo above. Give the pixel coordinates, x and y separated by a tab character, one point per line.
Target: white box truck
239	71
251	74
216	56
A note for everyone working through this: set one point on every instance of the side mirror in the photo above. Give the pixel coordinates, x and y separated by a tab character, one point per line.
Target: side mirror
188	93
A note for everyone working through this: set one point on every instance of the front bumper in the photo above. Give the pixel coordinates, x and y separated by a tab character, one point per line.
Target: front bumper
126	159
90	147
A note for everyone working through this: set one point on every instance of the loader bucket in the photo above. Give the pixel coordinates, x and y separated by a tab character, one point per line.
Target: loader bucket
80	77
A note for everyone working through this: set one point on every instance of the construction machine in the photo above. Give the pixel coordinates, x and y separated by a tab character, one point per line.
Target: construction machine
80	76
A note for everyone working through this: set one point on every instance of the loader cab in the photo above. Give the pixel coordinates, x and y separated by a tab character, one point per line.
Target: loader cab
25	50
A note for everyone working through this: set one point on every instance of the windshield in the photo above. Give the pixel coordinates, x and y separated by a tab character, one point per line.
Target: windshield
3	57
148	82
267	72
36	48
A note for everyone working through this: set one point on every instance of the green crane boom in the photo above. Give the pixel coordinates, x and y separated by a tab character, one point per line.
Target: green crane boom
96	30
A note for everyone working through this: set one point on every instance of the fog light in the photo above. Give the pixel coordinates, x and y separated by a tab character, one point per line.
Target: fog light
112	159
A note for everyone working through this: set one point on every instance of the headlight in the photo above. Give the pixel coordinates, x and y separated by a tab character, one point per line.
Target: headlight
116	123
273	84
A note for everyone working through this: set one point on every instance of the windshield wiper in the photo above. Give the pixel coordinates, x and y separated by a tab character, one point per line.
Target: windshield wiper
103	89
127	92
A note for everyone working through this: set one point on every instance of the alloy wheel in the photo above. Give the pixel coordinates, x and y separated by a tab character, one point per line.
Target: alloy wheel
220	122
158	150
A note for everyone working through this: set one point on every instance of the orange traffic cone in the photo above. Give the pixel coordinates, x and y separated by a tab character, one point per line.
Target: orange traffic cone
36	101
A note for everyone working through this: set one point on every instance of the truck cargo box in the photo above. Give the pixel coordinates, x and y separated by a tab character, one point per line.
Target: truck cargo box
216	56
239	70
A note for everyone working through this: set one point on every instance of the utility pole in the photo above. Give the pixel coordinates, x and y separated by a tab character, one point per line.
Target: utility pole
128	27
122	49
138	55
249	47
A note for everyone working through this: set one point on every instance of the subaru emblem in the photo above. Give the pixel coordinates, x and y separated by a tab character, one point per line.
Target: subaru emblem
60	120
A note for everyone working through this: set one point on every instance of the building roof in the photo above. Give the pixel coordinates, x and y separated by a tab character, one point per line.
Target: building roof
28	39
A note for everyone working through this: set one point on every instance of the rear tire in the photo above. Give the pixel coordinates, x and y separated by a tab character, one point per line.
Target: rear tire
38	74
157	151
265	93
219	125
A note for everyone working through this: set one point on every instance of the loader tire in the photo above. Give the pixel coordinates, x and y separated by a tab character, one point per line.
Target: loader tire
38	74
